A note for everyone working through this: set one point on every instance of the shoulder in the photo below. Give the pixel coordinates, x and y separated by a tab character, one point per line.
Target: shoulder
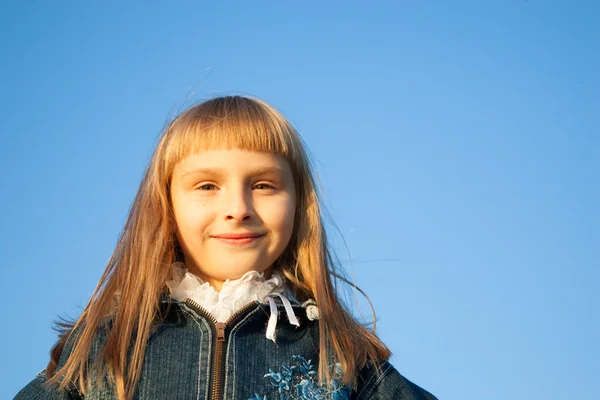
37	389
384	382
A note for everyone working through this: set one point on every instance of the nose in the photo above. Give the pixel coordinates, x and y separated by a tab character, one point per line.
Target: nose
238	205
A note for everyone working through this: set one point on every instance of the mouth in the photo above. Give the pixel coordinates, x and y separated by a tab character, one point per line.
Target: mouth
239	239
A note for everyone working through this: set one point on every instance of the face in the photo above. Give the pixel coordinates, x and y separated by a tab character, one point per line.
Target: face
234	211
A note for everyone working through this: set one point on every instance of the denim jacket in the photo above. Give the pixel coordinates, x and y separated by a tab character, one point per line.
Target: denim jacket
189	356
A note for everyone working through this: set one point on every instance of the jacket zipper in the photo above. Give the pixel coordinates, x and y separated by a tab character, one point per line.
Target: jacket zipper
219	333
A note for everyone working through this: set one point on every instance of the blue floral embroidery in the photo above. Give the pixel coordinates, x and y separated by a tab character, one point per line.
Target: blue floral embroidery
299	382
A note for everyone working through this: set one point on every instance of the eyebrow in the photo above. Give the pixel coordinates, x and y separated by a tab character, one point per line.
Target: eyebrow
220	172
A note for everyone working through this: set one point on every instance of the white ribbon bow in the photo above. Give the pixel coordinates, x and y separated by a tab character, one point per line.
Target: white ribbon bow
275	314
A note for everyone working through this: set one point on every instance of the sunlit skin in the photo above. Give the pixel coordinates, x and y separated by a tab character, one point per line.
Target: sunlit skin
219	192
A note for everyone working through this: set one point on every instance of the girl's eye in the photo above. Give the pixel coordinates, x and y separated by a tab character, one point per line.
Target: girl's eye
262	186
208	186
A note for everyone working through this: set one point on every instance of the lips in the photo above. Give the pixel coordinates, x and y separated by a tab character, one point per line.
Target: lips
238	239
247	235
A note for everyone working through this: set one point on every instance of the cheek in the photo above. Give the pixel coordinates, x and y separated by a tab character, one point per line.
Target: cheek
281	218
191	219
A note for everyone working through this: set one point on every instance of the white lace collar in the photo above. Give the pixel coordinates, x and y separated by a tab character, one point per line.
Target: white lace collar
234	294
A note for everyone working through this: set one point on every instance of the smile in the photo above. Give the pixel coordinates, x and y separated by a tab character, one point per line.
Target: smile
239	240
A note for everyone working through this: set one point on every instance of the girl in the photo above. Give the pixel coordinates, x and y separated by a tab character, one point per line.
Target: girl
223	239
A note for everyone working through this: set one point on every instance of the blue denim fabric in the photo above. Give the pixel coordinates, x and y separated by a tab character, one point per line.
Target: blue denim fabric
179	358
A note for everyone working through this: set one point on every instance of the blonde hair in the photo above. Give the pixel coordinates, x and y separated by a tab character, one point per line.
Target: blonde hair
130	288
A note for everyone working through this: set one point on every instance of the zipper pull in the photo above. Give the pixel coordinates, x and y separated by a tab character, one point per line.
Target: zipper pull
221	331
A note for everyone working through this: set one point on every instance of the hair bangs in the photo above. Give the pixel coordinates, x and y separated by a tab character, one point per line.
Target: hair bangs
227	123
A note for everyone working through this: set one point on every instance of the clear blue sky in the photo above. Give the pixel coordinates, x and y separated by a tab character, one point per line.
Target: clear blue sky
457	142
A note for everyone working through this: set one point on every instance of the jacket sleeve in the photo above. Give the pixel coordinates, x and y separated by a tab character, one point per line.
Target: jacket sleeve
38	390
385	383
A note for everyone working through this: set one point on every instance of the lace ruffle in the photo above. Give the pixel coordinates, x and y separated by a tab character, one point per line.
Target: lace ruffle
234	294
